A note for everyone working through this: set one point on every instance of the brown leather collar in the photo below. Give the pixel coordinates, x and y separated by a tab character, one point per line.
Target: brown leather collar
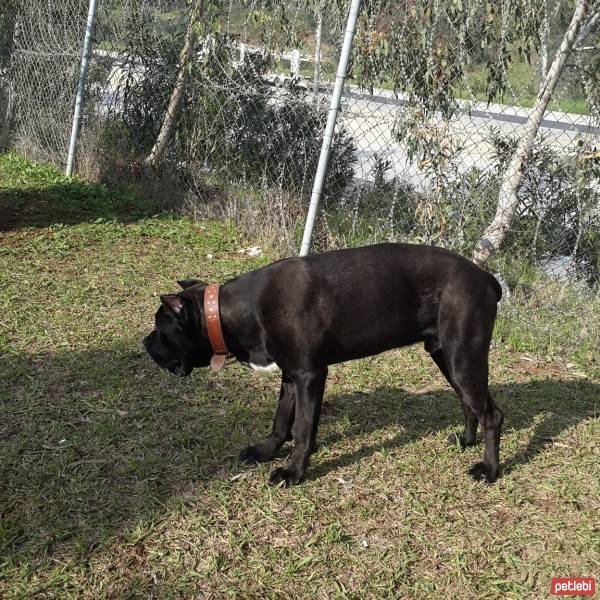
213	326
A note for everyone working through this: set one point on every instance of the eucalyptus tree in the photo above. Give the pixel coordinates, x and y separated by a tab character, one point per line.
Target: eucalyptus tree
508	199
424	48
185	62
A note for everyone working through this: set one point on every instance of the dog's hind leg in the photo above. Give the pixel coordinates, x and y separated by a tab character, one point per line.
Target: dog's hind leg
468	368
468	436
282	426
491	423
464	333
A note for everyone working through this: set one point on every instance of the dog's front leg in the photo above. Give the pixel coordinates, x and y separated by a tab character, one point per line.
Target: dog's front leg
309	388
282	426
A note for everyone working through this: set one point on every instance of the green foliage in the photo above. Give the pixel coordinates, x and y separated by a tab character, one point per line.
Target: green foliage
146	83
234	123
409	46
435	51
558	214
372	212
424	48
592	70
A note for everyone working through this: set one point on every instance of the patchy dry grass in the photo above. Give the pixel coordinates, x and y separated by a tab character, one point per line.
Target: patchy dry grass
120	481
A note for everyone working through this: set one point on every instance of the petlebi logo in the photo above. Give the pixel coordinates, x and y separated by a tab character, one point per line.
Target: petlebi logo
573	586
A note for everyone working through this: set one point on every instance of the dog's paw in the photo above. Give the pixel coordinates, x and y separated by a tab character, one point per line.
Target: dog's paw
255	454
284	476
455	440
458	441
481	472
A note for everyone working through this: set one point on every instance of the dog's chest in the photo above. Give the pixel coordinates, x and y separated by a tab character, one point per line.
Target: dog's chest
266	368
263	368
260	361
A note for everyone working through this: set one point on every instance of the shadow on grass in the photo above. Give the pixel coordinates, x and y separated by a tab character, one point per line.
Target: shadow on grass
70	202
92	443
550	406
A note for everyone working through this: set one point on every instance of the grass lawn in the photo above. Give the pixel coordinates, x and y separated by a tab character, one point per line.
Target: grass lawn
118	480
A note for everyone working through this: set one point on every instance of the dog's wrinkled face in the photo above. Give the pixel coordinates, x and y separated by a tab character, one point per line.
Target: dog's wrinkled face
176	343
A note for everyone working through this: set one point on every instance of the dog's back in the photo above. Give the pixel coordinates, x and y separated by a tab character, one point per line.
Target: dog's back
362	301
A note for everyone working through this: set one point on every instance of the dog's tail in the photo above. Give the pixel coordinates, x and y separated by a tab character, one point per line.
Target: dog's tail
496	285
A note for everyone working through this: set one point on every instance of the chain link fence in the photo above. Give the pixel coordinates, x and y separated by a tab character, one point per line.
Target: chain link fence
437	99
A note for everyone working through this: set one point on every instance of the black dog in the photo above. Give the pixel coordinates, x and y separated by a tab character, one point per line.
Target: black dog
303	314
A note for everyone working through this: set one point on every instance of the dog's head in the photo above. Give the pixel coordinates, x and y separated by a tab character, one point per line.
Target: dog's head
177	342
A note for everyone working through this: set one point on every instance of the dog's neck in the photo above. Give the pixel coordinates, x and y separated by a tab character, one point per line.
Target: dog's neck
240	327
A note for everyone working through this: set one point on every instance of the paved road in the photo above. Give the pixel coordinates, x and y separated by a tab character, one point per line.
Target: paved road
371	119
492	112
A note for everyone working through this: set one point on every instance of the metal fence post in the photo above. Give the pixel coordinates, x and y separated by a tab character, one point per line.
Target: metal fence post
329	128
85	55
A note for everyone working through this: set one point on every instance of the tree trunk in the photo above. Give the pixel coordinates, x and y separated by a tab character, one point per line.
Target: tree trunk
544	35
8	41
185	59
508	199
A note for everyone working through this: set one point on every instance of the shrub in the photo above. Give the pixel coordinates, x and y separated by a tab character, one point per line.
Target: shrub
235	125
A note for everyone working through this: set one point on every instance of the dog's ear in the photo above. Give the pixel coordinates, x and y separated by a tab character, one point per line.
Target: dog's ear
186	283
174	304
